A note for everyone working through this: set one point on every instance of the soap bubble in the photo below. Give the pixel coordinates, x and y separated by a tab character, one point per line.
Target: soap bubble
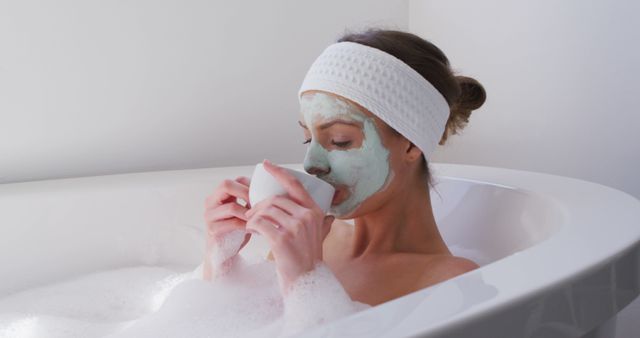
161	302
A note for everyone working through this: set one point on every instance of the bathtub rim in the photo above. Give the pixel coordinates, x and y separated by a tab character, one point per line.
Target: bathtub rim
480	174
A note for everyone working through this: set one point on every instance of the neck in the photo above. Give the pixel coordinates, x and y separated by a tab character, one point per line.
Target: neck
404	224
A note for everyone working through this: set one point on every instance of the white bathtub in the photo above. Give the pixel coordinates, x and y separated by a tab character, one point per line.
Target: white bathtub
559	256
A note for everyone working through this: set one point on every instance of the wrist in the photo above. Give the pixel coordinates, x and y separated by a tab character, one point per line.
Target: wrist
292	281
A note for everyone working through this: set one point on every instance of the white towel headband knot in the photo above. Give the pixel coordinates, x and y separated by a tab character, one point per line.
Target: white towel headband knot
384	85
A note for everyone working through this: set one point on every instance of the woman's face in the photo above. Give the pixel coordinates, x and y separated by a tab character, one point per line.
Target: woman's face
348	147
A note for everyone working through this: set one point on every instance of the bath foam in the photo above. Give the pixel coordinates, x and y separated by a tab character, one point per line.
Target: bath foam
247	303
42	326
227	247
88	306
243	303
328	298
162	302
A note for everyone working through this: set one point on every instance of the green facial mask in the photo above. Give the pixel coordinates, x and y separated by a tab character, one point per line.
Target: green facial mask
364	170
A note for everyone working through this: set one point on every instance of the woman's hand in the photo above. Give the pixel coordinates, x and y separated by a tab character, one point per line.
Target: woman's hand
223	215
294	226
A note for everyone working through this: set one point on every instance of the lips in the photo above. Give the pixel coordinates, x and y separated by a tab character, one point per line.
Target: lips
340	195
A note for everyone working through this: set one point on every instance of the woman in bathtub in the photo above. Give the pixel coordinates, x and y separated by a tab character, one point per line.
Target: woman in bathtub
380	172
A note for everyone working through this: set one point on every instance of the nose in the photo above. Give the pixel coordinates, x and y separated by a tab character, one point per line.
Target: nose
318	171
316	161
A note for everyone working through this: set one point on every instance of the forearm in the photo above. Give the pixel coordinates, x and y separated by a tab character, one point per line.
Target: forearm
209	271
206	269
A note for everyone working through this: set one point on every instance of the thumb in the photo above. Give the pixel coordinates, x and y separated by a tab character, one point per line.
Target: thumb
328	220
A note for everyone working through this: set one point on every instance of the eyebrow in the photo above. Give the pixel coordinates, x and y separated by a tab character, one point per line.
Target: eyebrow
329	124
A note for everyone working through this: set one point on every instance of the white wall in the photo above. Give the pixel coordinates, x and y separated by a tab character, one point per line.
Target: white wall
562	89
101	87
561	80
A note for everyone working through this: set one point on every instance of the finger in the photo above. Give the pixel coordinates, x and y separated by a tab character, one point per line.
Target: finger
277	216
282	201
328	221
223	228
297	212
264	228
226	211
291	184
247	237
227	191
244	180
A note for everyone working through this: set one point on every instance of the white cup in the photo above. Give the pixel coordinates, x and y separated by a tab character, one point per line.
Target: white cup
264	185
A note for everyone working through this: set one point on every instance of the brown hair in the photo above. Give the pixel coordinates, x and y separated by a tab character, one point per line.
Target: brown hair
462	93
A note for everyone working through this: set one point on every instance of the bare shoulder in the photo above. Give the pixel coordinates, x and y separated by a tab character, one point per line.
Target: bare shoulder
460	265
443	267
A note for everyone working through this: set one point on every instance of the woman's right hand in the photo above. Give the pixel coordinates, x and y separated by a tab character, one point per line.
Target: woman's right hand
224	215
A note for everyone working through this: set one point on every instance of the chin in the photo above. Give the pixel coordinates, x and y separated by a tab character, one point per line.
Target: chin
342	217
349	215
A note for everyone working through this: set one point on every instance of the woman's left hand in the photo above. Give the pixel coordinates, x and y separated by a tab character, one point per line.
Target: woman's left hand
294	226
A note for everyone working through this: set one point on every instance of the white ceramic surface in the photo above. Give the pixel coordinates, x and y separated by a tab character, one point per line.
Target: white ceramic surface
264	185
559	256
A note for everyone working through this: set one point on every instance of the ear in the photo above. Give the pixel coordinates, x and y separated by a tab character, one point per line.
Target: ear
412	153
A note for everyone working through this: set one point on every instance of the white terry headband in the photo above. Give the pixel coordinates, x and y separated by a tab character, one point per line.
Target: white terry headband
384	85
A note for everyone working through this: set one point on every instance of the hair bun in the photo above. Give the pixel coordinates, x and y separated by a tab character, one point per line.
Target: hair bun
472	94
472	97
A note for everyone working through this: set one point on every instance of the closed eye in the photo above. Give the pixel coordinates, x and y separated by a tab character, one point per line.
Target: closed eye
341	144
